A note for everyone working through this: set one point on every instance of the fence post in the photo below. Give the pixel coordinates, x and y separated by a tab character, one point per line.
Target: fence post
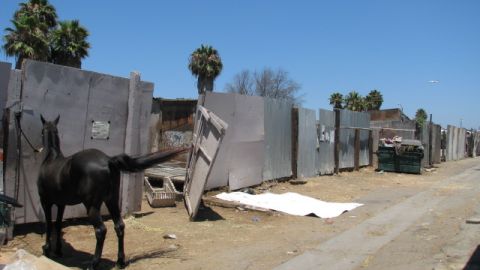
337	141
370	148
430	159
294	142
356	153
130	182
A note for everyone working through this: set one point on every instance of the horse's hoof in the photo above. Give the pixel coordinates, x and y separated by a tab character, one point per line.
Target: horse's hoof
59	253
46	250
121	264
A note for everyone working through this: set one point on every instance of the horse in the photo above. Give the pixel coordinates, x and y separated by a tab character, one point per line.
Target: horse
89	177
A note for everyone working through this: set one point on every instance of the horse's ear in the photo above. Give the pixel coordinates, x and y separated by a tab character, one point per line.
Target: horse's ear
43	119
57	119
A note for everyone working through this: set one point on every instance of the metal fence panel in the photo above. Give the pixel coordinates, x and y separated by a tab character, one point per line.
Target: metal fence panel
221	105
241	156
462	135
436	143
278	139
326	152
424	138
456	139
307	143
348	121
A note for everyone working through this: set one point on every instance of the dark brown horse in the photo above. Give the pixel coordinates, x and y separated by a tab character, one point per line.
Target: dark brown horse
89	177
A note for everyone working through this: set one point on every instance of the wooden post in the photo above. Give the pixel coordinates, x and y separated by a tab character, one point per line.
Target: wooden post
430	159
337	141
356	153
294	142
130	182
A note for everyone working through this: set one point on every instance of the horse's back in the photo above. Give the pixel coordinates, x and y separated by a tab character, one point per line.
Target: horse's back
91	173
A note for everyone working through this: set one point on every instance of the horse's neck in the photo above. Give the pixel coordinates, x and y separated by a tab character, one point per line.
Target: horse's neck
53	153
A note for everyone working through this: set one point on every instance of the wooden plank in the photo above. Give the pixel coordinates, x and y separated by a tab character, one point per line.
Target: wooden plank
337	141
294	141
212	201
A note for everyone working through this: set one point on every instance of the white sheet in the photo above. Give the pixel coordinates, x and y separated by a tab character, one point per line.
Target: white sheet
290	203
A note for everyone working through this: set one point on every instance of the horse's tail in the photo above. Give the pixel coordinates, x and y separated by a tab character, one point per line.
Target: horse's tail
135	164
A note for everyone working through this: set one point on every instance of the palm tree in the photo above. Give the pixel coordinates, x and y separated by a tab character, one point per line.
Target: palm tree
354	102
25	40
68	44
39	9
205	64
421	117
28	38
374	100
336	99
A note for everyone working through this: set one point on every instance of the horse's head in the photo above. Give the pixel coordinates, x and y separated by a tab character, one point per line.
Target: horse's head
50	137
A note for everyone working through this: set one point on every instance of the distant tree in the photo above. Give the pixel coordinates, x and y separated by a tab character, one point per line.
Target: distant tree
243	83
336	99
354	102
267	83
374	100
68	44
205	64
421	117
28	38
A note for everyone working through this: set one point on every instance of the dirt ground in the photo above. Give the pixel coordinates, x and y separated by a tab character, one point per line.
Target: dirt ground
230	238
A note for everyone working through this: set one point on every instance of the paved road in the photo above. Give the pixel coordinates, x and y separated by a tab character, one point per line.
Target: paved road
425	231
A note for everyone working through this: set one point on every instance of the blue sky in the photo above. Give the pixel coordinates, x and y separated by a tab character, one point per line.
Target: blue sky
396	47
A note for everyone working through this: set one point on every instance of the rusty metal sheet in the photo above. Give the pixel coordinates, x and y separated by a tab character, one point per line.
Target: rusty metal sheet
207	138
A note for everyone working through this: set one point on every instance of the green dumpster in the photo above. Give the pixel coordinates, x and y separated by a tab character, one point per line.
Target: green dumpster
404	158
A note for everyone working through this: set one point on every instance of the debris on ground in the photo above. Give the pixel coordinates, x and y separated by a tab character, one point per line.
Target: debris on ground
169	236
290	203
22	260
300	181
473	220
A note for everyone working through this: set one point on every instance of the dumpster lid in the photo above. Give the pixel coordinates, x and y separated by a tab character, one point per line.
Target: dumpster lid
411	142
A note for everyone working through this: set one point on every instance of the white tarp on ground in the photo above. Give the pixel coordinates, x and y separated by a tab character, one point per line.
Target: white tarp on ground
290	203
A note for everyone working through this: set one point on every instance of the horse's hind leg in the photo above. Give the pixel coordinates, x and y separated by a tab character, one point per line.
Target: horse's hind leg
47	210
58	226
100	232
114	210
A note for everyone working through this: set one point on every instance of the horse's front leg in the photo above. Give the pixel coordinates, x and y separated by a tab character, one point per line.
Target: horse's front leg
47	210
100	232
58	225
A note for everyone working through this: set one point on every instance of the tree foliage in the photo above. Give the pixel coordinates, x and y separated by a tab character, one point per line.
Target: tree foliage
270	83
374	100
355	102
205	64
336	100
421	117
35	34
68	44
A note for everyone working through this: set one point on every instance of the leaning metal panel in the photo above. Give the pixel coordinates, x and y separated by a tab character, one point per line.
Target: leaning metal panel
278	139
209	132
